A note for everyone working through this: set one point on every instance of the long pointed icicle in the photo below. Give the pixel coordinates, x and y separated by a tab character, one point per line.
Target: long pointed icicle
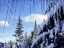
9	17
5	18
3	4
30	7
41	7
5	22
14	20
45	4
0	4
34	5
14	14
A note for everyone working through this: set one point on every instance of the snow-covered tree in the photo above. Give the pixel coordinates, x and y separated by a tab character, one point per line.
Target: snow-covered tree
35	31
18	32
11	44
25	43
38	27
25	35
51	32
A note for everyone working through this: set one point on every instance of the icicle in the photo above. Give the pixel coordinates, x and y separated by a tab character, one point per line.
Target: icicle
4	27
20	8
5	19
3	4
24	2
0	4
5	23
34	5
14	20
36	2
45	5
7	14
13	0
27	2
30	6
17	1
15	9
23	5
41	6
11	11
14	16
12	6
9	17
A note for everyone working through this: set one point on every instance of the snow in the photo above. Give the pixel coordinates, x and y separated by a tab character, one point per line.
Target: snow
14	46
38	38
62	30
52	11
51	34
24	44
41	27
51	45
63	27
56	29
42	36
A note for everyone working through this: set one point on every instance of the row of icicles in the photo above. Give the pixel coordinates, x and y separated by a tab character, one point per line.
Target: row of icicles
12	7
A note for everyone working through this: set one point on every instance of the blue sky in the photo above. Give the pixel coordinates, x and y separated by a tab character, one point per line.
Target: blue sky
28	18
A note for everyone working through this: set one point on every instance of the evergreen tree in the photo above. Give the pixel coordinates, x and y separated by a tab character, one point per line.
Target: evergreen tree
35	30
32	35
11	44
26	35
18	31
